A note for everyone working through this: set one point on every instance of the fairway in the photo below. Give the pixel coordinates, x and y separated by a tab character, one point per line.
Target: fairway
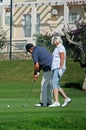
16	80
42	117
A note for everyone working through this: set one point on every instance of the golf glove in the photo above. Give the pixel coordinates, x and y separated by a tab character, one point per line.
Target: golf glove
38	73
60	73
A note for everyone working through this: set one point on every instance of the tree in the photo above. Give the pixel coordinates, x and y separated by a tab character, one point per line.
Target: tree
3	39
77	41
45	41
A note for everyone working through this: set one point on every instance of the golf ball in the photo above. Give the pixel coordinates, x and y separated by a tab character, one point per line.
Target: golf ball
8	105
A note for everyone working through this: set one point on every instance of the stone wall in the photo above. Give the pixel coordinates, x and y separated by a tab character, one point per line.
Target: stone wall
15	56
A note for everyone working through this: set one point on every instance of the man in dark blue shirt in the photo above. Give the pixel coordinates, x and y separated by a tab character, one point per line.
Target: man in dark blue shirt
42	61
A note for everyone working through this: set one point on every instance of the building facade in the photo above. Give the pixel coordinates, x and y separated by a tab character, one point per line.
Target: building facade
30	17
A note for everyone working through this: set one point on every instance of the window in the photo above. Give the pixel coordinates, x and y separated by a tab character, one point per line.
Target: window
7	16
27	25
72	17
38	24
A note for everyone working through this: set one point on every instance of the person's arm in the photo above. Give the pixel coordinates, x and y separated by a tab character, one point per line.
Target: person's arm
36	70
61	59
61	63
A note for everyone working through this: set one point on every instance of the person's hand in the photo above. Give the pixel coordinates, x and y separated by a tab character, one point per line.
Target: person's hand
60	73
36	76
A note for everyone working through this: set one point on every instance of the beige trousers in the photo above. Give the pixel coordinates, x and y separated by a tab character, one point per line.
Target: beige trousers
46	89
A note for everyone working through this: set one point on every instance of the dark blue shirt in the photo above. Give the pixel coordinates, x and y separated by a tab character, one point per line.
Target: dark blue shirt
43	57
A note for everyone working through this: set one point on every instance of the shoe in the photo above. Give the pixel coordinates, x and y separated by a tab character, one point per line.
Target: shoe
41	105
38	105
49	104
55	104
66	102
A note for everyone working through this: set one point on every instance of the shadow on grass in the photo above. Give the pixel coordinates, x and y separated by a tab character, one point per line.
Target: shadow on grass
73	85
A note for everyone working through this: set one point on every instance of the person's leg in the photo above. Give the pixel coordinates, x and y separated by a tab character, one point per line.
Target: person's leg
66	98
56	94
43	93
55	85
63	94
61	91
49	88
44	84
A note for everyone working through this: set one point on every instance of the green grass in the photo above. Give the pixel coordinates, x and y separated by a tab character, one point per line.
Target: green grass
16	78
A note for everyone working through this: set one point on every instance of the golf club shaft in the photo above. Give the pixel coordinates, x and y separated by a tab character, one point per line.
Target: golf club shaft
30	92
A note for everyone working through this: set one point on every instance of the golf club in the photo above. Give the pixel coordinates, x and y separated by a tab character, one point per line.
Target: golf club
26	102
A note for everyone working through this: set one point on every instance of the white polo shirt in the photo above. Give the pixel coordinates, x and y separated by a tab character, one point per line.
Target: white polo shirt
56	57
